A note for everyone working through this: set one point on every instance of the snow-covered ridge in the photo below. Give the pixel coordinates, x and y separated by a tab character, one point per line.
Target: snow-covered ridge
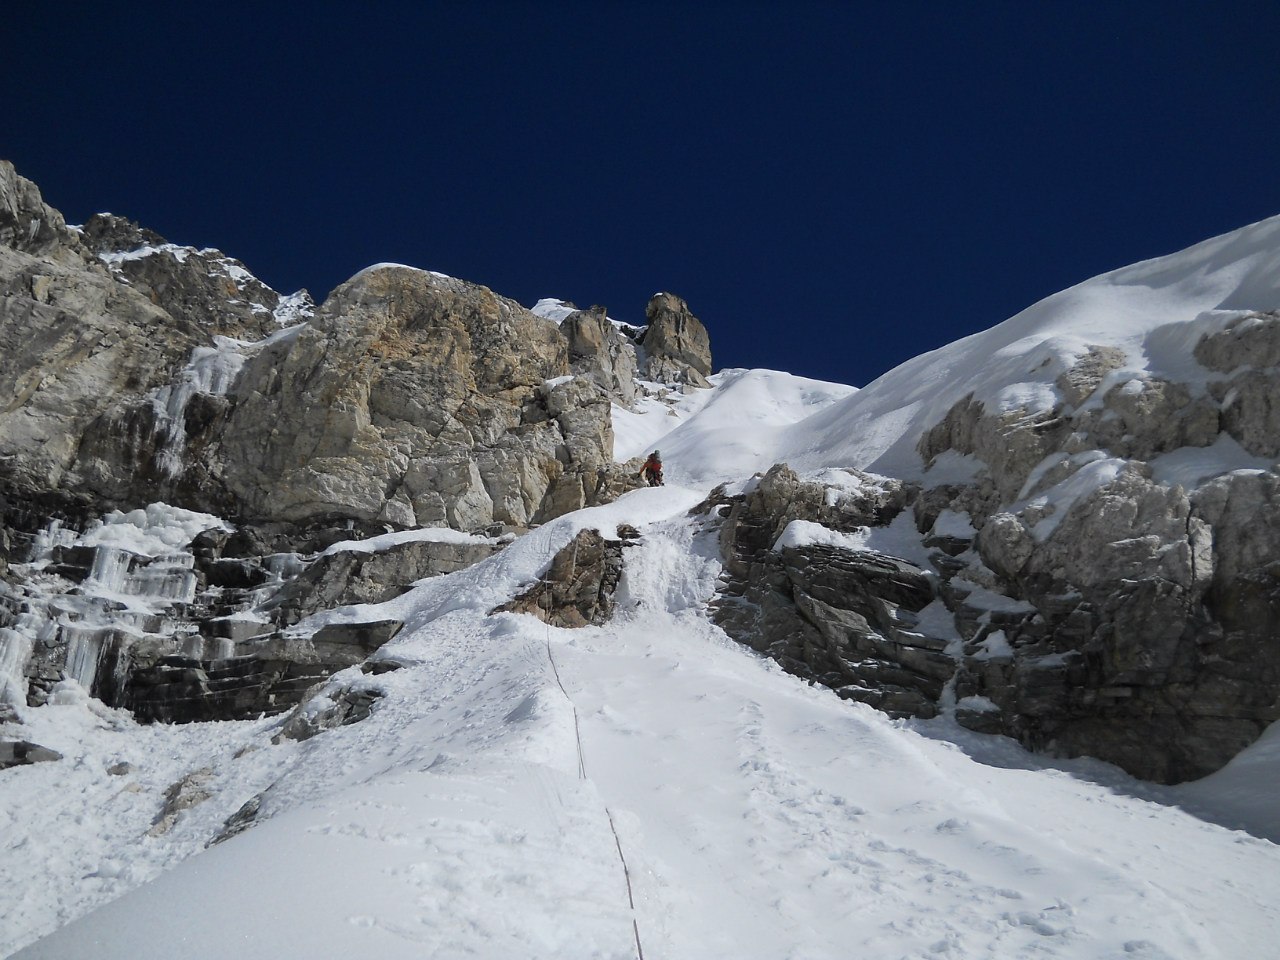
1155	312
179	252
218	261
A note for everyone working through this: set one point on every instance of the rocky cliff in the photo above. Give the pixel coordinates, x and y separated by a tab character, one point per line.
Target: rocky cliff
178	441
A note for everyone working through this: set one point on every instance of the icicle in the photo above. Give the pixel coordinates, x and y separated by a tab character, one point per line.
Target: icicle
211	370
141	576
16	645
53	535
168	579
110	569
84	652
15	651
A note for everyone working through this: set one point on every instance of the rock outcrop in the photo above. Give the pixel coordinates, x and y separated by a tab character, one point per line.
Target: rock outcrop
1100	584
141	371
416	400
827	611
75	346
599	351
1111	599
347	577
206	288
677	349
17	753
577	589
28	225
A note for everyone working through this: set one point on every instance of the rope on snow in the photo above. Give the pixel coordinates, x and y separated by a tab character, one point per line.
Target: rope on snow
582	764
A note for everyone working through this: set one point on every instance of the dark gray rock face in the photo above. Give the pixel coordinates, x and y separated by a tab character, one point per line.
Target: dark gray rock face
328	710
278	673
1138	626
186	690
348	576
1103	611
677	349
17	753
206	288
840	617
204	640
577	589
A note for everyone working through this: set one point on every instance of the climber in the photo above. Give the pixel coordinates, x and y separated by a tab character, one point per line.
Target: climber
652	470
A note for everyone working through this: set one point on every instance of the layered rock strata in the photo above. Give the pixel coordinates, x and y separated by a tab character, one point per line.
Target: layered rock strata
831	613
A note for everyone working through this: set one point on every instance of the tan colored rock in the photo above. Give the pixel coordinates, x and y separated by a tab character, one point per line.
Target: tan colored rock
413	398
599	352
677	348
1251	410
1249	341
74	345
1085	376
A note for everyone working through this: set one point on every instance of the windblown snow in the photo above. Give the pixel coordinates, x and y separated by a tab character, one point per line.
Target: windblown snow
650	787
1154	311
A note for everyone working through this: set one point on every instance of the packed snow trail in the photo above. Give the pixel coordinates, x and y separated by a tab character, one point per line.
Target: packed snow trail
776	821
760	818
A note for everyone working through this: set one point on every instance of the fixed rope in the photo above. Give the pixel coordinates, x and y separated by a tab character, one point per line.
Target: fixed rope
582	763
626	873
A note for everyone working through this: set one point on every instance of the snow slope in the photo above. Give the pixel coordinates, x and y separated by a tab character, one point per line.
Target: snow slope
1155	311
728	432
515	777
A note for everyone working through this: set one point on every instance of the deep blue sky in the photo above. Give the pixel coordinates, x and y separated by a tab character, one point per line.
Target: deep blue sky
834	187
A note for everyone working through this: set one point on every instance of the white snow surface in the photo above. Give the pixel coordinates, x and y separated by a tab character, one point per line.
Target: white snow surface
557	311
474	813
1156	311
549	308
402	266
293	309
734	429
419	535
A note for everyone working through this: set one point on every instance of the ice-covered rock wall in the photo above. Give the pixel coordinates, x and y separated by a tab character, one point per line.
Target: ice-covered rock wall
144	372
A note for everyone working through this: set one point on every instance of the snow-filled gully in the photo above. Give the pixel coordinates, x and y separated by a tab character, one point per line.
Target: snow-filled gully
524	790
582	774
